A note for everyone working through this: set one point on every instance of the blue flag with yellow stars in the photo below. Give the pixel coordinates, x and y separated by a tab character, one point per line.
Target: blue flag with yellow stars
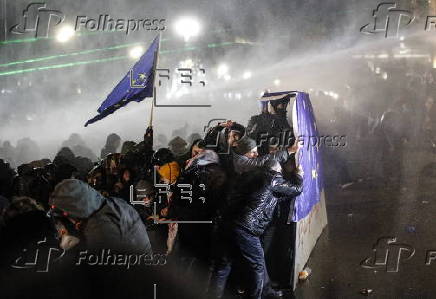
308	156
136	85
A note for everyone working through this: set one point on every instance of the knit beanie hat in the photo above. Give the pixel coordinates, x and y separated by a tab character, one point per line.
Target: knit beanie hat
170	171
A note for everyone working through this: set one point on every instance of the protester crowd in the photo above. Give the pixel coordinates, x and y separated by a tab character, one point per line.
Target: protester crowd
206	207
222	201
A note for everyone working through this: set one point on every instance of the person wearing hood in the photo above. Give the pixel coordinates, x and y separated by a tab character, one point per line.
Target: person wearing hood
70	165
207	186
113	142
79	147
177	146
97	221
208	179
28	234
270	123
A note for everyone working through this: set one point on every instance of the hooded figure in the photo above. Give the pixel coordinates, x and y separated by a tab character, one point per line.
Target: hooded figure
271	128
177	146
102	223
113	142
207	186
79	147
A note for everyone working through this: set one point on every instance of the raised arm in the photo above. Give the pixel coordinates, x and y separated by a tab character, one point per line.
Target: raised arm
287	188
243	162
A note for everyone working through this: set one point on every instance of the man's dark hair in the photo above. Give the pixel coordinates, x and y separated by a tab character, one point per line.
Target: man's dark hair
162	156
238	128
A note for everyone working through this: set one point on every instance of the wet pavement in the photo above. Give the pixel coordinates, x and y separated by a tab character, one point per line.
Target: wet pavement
347	259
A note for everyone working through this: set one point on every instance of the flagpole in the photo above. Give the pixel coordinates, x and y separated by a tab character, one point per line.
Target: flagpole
154	80
150	123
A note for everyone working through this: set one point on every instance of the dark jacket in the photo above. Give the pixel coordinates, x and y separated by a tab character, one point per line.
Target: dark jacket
215	140
264	126
208	186
256	196
207	181
111	223
243	164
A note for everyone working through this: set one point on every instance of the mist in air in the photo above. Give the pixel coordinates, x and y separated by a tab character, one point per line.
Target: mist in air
245	48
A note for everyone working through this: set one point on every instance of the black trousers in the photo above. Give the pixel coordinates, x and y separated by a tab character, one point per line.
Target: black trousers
278	242
250	249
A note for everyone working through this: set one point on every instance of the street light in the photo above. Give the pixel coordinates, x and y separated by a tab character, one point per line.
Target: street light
65	33
246	75
187	27
136	52
222	70
187	63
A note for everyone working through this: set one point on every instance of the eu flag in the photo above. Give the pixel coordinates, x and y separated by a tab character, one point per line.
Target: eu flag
309	157
136	85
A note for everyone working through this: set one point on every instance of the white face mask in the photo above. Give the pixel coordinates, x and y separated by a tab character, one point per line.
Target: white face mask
68	241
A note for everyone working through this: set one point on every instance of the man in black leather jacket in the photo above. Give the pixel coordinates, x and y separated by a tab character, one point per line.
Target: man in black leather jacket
253	201
245	156
265	188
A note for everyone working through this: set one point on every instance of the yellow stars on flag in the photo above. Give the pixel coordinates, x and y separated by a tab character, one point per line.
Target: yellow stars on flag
140	82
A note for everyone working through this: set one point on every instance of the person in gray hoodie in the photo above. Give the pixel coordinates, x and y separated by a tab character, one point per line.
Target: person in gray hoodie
97	221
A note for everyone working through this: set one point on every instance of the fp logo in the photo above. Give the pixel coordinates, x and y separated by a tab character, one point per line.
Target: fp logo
387	19
38	257
387	254
38	19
